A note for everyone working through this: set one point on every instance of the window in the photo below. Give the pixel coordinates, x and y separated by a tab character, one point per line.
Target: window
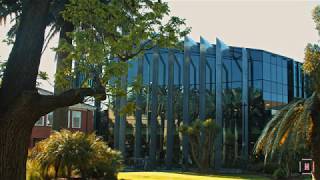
210	71
284	63
76	119
40	122
132	69
50	119
284	76
146	69
273	72
273	98
163	68
285	89
273	87
279	61
267	96
236	73
257	84
285	99
267	86
235	85
266	71
226	71
257	70
273	59
256	55
178	68
279	74
194	69
250	74
279	98
266	58
69	118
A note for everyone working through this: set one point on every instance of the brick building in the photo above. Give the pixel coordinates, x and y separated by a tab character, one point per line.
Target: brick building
80	118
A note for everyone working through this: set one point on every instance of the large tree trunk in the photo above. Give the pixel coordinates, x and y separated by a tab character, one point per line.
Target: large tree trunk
16	115
14	140
60	115
315	136
20	104
23	63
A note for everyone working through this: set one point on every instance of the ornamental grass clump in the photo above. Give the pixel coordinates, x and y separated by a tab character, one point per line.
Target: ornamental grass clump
67	154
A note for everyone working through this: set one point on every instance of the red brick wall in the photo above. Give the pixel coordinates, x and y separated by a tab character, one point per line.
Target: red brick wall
42	132
38	133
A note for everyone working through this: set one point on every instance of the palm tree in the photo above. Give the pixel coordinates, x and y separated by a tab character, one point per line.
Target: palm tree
162	114
201	151
232	109
298	123
232	99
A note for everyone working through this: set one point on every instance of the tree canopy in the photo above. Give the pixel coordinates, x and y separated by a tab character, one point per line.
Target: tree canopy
108	34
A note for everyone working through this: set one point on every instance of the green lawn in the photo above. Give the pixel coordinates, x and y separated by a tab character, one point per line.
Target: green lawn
181	176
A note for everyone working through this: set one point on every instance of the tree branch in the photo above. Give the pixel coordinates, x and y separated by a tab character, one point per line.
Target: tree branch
70	97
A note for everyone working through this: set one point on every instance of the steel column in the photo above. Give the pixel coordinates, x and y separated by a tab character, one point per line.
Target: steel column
170	119
123	118
188	44
137	142
204	46
220	47
154	108
244	104
116	123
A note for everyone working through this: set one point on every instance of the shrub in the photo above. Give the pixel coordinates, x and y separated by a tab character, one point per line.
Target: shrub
67	154
33	170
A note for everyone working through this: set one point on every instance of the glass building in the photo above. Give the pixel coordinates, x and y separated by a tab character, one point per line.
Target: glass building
238	87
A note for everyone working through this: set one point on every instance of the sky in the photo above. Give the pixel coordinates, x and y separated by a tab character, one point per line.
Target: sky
279	26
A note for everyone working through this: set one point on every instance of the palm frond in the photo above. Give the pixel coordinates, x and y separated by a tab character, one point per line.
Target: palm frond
285	125
269	130
287	131
303	124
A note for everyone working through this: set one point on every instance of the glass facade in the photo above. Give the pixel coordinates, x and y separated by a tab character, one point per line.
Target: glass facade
272	81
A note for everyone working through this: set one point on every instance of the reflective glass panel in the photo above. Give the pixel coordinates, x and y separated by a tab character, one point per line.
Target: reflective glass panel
257	70
266	71
273	72
267	86
273	87
236	73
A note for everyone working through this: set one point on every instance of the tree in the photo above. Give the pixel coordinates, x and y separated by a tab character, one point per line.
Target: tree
201	150
98	35
21	105
298	123
231	106
115	41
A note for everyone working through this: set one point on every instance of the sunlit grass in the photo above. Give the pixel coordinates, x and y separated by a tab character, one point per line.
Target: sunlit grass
181	176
